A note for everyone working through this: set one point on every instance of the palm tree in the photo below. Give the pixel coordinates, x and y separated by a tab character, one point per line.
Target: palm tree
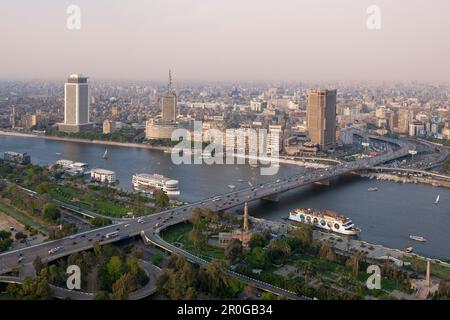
307	269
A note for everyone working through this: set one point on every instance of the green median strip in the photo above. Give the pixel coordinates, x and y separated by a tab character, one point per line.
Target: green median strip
22	218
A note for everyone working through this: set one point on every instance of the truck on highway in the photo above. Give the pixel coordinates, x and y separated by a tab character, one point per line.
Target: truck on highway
112	235
55	250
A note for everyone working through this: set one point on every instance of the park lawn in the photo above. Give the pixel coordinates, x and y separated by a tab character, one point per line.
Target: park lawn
322	266
106	208
98	204
437	269
64	193
22	217
179	233
387	285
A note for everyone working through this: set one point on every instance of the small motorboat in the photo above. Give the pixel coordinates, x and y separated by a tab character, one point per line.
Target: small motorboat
417	238
409	249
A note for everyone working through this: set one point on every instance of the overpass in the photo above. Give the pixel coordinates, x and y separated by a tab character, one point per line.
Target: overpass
9	261
62	293
154	239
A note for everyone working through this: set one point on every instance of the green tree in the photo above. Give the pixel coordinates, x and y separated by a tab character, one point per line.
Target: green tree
43	188
304	234
20	235
157	259
326	252
115	268
97	250
122	287
258	258
32	289
217	273
233	251
5	240
50	212
268	296
37	264
161	199
258	240
447	164
100	222
198	239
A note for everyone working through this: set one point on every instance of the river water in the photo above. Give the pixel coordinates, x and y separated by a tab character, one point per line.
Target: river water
387	216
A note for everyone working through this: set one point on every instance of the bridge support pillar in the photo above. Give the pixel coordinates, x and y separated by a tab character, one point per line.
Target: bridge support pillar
273	198
325	182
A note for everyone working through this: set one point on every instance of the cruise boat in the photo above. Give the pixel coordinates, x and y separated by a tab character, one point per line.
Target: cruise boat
372	189
417	238
145	182
325	219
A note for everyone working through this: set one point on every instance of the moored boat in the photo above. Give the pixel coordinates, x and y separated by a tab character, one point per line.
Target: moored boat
325	219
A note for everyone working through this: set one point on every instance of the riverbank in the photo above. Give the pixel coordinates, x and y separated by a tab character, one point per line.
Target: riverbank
97	142
349	245
267	160
407	179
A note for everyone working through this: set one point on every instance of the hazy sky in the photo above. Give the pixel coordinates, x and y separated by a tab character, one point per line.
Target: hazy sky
292	40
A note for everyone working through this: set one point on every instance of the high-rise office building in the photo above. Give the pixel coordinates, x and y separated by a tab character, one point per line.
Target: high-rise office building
321	117
169	103
404	119
76	104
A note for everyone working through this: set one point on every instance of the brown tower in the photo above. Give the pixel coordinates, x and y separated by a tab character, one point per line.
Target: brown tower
321	117
427	279
246	217
169	103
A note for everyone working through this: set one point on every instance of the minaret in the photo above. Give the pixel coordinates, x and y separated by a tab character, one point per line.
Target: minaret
427	280
246	217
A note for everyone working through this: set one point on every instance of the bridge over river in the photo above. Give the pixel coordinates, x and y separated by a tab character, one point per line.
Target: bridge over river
150	225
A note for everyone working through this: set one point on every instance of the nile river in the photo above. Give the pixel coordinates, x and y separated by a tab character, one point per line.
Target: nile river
386	217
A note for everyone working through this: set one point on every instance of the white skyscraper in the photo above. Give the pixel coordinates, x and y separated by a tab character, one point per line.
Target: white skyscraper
76	104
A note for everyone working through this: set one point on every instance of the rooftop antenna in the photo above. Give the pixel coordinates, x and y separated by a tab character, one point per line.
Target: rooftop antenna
169	88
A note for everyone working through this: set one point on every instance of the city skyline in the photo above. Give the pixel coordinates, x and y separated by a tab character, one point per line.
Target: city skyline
254	41
238	152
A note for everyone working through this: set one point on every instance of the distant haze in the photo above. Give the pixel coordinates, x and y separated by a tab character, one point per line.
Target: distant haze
229	40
